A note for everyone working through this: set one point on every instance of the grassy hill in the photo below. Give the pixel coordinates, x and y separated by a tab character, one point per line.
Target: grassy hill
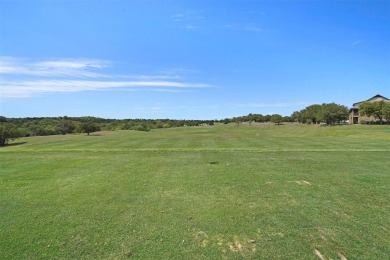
223	191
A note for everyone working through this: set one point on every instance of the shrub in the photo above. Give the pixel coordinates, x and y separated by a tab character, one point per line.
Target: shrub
143	127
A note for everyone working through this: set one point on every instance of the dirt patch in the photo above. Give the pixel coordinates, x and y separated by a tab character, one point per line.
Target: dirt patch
241	245
201	237
236	246
342	256
242	248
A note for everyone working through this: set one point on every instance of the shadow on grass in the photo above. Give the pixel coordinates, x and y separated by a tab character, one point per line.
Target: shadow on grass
12	144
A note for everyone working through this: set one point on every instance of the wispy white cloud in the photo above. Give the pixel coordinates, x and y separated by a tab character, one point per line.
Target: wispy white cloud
188	16
190	27
177	71
189	20
72	64
154	77
250	27
356	42
21	78
58	68
253	28
171	90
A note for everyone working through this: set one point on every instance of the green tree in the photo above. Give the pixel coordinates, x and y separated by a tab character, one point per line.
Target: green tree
143	127
296	116
276	118
330	113
376	109
312	114
89	127
8	132
65	126
226	121
3	119
333	113
386	111
238	120
259	118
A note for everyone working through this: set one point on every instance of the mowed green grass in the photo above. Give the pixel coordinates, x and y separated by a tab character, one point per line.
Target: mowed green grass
215	192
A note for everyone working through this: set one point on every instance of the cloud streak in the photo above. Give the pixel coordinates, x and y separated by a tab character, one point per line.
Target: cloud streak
189	15
357	42
189	20
249	27
47	68
22	79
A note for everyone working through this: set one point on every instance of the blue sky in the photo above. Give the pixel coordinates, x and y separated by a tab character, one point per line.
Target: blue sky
189	59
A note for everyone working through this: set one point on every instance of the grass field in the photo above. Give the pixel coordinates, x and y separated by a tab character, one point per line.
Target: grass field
216	192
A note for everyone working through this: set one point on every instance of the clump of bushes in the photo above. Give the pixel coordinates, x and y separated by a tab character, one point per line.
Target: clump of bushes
143	127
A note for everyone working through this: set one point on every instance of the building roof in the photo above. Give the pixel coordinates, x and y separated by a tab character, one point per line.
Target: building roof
370	99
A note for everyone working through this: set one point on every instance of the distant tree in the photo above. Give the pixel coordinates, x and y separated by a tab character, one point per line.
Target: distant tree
312	114
258	118
143	127
330	113
65	127
386	111
8	132
89	127
366	109
296	116
238	120
376	109
125	126
276	118
333	113
287	119
3	119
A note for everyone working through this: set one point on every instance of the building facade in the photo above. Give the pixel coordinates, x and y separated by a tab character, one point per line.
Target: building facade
355	118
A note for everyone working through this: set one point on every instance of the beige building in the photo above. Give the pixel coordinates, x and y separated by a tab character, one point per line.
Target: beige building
355	118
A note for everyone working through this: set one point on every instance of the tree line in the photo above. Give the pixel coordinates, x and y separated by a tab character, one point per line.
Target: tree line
11	128
258	118
327	113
